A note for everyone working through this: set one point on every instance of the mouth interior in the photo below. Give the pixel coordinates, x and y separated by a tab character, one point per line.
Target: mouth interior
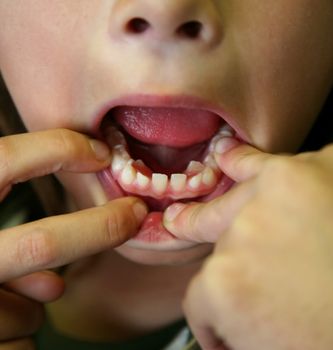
163	155
165	139
165	159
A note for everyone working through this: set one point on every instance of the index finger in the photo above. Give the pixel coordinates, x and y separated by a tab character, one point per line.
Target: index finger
59	240
29	155
240	161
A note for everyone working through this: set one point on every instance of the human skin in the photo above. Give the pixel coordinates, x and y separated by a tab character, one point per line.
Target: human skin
272	264
268	65
255	64
40	245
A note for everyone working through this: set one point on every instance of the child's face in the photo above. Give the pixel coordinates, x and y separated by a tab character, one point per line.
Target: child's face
264	65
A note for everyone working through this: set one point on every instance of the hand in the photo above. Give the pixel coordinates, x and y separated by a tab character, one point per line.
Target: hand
53	241
21	309
269	282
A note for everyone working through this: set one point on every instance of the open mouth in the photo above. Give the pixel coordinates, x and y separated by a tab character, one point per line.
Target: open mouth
163	155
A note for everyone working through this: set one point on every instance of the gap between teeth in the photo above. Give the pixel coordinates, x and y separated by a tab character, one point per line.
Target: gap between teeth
198	179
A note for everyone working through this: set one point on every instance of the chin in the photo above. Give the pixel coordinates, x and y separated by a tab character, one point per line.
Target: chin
157	257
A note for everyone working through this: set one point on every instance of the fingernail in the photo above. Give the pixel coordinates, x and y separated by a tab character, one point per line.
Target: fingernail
225	145
173	211
101	151
140	211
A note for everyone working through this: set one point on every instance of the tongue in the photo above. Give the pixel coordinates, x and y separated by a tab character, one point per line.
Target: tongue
174	127
164	159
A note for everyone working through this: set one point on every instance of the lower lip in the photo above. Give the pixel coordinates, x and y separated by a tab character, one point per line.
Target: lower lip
152	234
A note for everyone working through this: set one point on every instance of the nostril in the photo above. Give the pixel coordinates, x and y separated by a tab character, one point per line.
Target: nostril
191	29
137	25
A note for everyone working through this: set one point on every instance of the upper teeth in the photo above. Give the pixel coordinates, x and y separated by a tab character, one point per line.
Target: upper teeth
198	178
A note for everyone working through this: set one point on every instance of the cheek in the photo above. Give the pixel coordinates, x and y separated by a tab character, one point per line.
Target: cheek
286	54
39	85
42	66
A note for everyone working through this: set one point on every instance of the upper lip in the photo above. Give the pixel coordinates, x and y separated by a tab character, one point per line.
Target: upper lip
171	101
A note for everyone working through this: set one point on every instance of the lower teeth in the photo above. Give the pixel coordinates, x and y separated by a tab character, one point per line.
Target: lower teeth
197	180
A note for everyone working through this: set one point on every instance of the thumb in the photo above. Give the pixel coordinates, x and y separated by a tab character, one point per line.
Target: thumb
239	161
206	222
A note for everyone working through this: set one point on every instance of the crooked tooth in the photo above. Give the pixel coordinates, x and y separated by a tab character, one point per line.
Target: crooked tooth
128	175
194	167
121	151
142	180
116	139
208	177
159	183
210	162
213	142
118	162
178	182
226	130
195	181
140	162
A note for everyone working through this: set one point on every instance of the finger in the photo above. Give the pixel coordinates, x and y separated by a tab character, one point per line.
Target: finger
239	161
35	154
206	222
199	315
19	316
19	344
44	286
59	240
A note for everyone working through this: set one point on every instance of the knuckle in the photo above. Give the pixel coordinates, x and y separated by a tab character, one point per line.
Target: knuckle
115	228
67	141
36	248
193	221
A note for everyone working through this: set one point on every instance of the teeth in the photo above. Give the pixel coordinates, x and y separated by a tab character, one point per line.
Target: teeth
159	183
178	182
195	181
119	161
142	180
194	167
226	130
213	143
208	177
210	162
128	175
199	178
140	163
114	137
117	139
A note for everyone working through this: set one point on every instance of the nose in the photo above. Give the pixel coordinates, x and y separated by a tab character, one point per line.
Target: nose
197	21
